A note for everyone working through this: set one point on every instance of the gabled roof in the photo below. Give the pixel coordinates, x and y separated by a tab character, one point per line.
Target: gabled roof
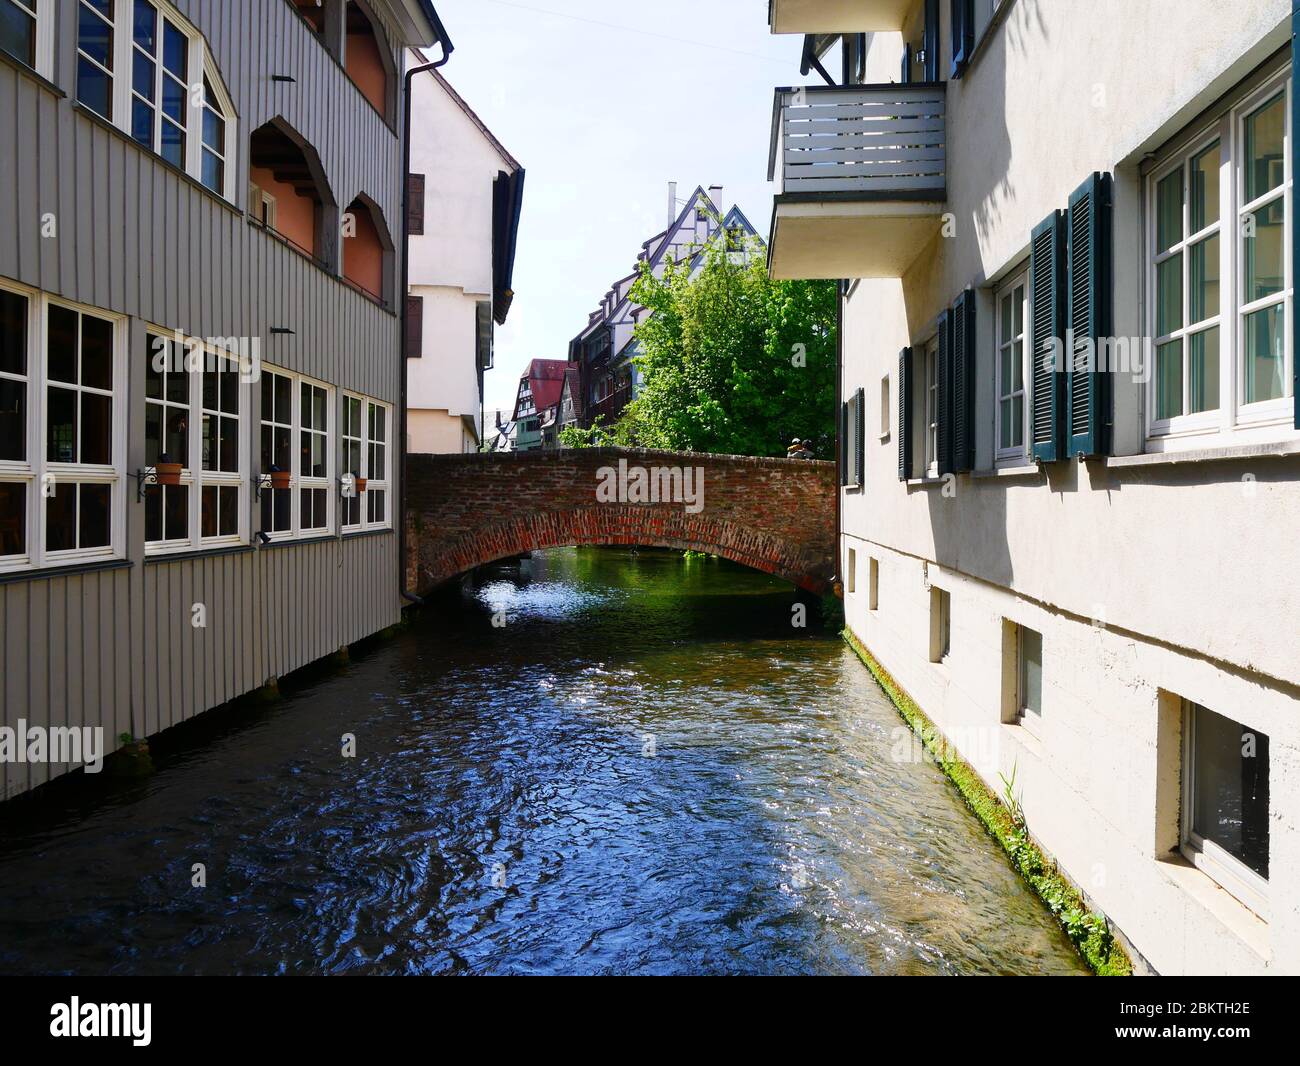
573	389
544	377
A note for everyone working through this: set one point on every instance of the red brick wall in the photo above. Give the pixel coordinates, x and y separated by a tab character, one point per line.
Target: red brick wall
776	515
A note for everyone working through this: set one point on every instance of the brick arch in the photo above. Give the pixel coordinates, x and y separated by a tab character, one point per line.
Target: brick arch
773	515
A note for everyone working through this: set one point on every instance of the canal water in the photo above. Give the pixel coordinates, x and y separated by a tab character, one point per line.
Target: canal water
596	761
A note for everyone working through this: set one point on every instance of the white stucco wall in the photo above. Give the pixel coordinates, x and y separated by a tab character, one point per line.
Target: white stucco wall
451	264
1192	567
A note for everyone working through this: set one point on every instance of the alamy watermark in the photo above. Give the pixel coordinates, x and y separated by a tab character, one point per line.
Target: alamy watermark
25	743
1134	356
654	484
180	354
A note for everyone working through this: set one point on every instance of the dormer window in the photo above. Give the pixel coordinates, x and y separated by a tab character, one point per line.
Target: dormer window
141	66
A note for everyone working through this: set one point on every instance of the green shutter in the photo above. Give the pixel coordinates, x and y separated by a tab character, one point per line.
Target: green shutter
963	382
963	34
1090	260
844	444
860	457
905	414
1047	322
943	377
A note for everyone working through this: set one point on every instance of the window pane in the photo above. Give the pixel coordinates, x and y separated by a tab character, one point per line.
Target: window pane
214	131
1203	371
95	37
1169	380
282	519
1169	295
143	76
94	88
228	457
173	144
211	390
61	518
283	448
153	417
1169	211
230	392
283	398
173	100
93	515
1203	264
145	27
1265	355
1230	794
1017	420
176	512
1205	188
208	518
1004	436
96	428
13	420
13	333
61	436
175	46
153	513
1031	671
229	497
17	32
177	443
96	353
214	172
1264	252
142	117
62	345
13	518
1264	164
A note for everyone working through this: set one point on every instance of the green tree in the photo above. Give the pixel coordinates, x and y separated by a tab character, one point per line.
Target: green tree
732	361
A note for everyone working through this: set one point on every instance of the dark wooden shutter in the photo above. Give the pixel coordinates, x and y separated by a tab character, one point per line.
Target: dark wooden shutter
963	34
1047	324
1089	256
905	414
963	382
414	327
415	204
844	443
943	396
860	458
932	45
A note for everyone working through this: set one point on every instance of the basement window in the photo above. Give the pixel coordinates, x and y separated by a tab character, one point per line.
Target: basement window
1225	830
940	624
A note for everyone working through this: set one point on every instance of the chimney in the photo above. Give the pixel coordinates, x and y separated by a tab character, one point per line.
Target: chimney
715	194
672	203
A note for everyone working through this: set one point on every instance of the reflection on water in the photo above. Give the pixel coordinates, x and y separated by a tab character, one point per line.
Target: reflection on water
597	761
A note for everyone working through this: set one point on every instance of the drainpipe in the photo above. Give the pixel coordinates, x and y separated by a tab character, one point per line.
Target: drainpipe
447	49
840	287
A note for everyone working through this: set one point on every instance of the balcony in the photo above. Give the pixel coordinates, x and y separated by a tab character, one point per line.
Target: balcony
860	176
611	407
837	16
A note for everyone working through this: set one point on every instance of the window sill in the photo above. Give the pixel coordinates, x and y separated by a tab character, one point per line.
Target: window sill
32	74
1018	470
198	553
9	577
884	438
1202	889
1027	737
298	542
924	482
1276	450
357	534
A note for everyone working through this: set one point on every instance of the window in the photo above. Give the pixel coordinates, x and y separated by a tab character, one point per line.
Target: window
1220	275
144	68
26	32
1225	803
886	411
1029	677
873	584
940	624
1012	408
194	403
851	571
931	399
295	409
62	440
377	419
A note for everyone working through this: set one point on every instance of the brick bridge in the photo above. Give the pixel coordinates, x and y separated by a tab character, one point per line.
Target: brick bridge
775	515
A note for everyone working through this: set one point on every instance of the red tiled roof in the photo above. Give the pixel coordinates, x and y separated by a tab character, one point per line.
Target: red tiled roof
545	378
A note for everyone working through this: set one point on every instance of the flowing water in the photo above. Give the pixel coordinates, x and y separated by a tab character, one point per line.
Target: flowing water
597	761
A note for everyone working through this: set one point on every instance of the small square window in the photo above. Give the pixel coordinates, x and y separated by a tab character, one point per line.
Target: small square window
940	624
873	585
1027	677
851	572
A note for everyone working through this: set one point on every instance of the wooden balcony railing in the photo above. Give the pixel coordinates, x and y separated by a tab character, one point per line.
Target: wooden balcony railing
869	142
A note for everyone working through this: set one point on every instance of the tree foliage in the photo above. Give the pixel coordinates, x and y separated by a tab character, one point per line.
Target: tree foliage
733	361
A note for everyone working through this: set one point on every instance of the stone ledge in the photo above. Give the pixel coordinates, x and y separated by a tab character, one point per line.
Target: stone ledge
1275	450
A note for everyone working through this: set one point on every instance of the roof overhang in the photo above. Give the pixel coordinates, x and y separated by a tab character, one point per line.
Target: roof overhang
837	16
419	24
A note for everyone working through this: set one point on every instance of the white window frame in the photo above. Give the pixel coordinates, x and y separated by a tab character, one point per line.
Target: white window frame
199	64
886	409
1032	720
1225	869
1006	347
1269	420
381	484
33	471
42	11
930	404
297	481
193	477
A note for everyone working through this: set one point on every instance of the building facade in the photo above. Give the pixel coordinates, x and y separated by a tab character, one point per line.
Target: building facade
1070	446
199	349
536	413
465	198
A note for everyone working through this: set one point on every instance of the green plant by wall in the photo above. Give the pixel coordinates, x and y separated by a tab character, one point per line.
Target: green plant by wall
1004	819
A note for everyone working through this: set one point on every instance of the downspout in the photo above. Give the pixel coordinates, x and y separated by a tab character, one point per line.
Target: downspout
840	287
447	49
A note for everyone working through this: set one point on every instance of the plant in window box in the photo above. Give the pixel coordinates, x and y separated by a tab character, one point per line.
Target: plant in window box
359	484
280	479
166	471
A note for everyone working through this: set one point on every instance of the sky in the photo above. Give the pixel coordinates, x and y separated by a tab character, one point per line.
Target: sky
604	103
